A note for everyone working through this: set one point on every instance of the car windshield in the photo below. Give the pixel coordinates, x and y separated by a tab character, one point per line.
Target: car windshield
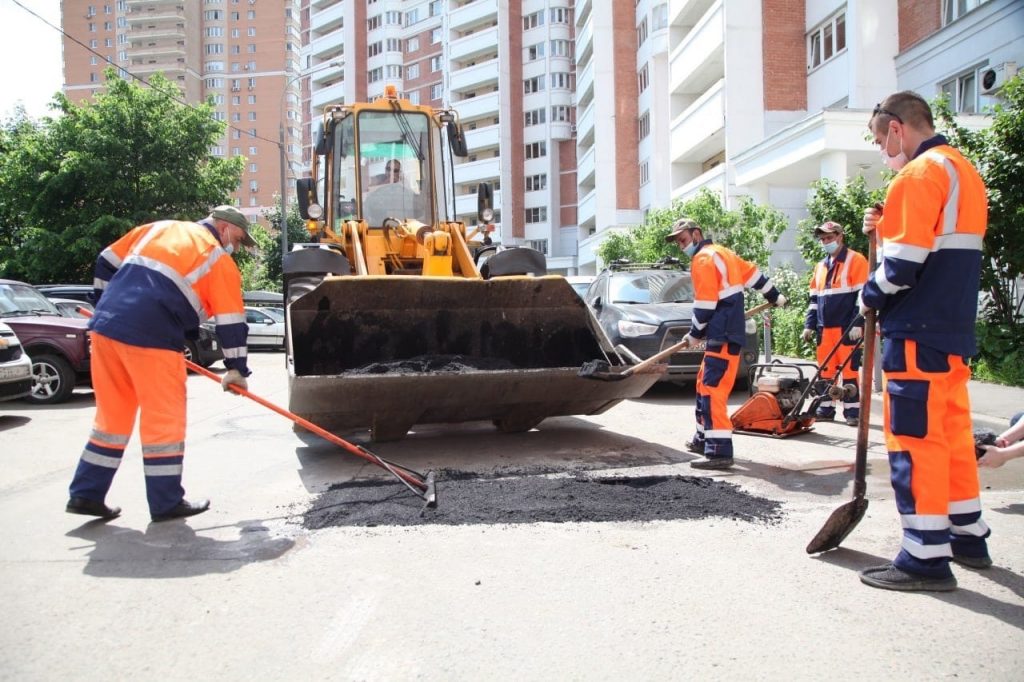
276	313
651	287
21	299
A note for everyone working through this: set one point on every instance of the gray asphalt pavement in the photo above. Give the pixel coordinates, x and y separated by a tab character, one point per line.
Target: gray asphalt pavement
245	592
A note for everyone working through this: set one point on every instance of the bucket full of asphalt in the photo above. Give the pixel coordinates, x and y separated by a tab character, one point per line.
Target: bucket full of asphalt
466	498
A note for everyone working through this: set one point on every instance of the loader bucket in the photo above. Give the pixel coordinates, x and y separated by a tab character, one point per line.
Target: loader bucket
389	352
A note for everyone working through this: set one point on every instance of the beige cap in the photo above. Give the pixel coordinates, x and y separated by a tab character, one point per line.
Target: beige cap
680	226
828	227
230	214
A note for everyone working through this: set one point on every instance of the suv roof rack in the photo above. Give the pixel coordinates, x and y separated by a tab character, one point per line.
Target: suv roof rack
624	265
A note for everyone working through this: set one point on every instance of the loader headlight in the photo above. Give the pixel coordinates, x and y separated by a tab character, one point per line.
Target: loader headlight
315	211
487	215
632	329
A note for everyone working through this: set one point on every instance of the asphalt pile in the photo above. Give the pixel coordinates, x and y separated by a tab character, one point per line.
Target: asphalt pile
468	498
434	363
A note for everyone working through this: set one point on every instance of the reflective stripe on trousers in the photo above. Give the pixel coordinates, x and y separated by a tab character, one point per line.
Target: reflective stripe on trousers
830	336
931	455
127	380
715	380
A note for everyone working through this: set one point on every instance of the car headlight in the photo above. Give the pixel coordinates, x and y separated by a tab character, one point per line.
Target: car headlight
632	329
751	326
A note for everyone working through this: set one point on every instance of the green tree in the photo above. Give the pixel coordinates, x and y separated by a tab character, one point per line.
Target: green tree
841	204
750	230
70	185
270	252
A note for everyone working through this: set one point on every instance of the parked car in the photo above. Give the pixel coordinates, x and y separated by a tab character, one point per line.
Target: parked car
580	284
15	366
266	329
204	350
58	346
648	307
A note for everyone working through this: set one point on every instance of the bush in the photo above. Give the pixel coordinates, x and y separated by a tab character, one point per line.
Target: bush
788	322
1000	358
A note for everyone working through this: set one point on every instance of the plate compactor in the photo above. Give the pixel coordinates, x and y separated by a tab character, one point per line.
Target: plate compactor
779	392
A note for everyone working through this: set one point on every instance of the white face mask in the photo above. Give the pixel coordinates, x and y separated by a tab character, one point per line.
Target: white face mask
893	162
830	247
691	249
230	249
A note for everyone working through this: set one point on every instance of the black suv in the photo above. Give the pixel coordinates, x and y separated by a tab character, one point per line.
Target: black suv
203	350
647	307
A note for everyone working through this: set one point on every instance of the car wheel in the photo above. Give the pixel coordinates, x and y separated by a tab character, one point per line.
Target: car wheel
54	380
192	354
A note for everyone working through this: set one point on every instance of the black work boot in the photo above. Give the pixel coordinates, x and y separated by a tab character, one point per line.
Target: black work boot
695	445
979	562
889	577
183	509
81	505
712	463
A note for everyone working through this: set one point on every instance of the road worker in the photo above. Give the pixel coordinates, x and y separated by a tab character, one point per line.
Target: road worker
153	287
925	289
719	278
835	285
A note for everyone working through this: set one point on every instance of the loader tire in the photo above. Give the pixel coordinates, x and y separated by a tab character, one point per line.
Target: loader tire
517	423
517	261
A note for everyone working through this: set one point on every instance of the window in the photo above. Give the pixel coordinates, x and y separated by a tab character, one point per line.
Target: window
535	84
251	32
214	31
536	150
250	15
374	49
641	32
236	134
253	150
538	215
533	20
374	75
412	16
236	117
644	125
643	79
435	91
826	41
92	27
435	8
534	52
212	15
561	112
412	71
373	23
94	43
659	17
562	81
645	173
393	18
236	100
394	45
253	167
214	48
252	115
954	9
560	15
393	71
962	92
536	182
413	97
252	99
412	45
435	36
251	48
539	244
535	117
435	64
561	48
254	186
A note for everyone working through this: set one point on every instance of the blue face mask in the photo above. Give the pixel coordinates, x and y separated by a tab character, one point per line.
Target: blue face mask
831	247
230	249
691	249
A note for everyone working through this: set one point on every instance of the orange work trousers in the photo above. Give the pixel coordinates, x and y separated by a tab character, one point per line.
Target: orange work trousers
129	380
931	455
830	336
715	380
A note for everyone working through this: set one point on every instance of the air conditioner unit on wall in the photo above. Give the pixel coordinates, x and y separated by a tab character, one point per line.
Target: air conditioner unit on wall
992	79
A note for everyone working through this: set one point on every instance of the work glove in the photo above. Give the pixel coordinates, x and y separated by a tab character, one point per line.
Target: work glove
688	341
234	378
860	305
807	335
781	301
856	333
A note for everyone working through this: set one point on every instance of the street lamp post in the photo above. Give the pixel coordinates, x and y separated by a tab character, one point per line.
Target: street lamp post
281	148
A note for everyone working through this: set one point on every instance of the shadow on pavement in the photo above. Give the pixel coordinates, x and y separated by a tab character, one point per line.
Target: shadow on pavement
173	549
1017	508
12	421
819	477
1011	614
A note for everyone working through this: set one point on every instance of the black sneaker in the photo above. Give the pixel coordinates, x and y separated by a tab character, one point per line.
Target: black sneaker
712	463
80	505
695	446
889	577
979	562
824	417
852	421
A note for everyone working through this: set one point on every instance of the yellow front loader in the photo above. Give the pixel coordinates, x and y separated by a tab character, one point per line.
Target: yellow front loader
399	315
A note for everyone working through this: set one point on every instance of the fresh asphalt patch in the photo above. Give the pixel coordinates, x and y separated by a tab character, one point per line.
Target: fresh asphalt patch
465	498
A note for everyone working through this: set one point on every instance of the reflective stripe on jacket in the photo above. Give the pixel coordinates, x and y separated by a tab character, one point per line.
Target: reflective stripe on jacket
930	237
719	278
157	283
834	290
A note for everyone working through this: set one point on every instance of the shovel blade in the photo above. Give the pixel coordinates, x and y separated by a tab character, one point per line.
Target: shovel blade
839	525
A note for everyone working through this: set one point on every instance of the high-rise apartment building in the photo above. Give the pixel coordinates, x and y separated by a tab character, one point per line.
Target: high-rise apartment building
243	54
507	68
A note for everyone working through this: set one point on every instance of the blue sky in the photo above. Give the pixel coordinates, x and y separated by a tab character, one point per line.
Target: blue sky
31	54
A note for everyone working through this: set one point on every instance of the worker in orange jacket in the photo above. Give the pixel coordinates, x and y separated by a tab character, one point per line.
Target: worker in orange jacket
719	278
154	286
832	308
925	289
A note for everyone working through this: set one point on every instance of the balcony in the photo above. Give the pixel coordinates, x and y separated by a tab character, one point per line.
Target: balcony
474	45
156	52
466	203
699	132
586	209
585	121
167	68
332	94
687	13
473	77
149	15
326	47
585	168
172	32
477	107
472	15
478	171
585	37
699	59
327	19
483	138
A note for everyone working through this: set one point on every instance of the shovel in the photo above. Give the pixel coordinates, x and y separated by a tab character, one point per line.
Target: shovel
845	518
600	370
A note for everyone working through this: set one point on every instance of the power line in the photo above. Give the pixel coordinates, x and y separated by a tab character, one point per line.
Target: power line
172	97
